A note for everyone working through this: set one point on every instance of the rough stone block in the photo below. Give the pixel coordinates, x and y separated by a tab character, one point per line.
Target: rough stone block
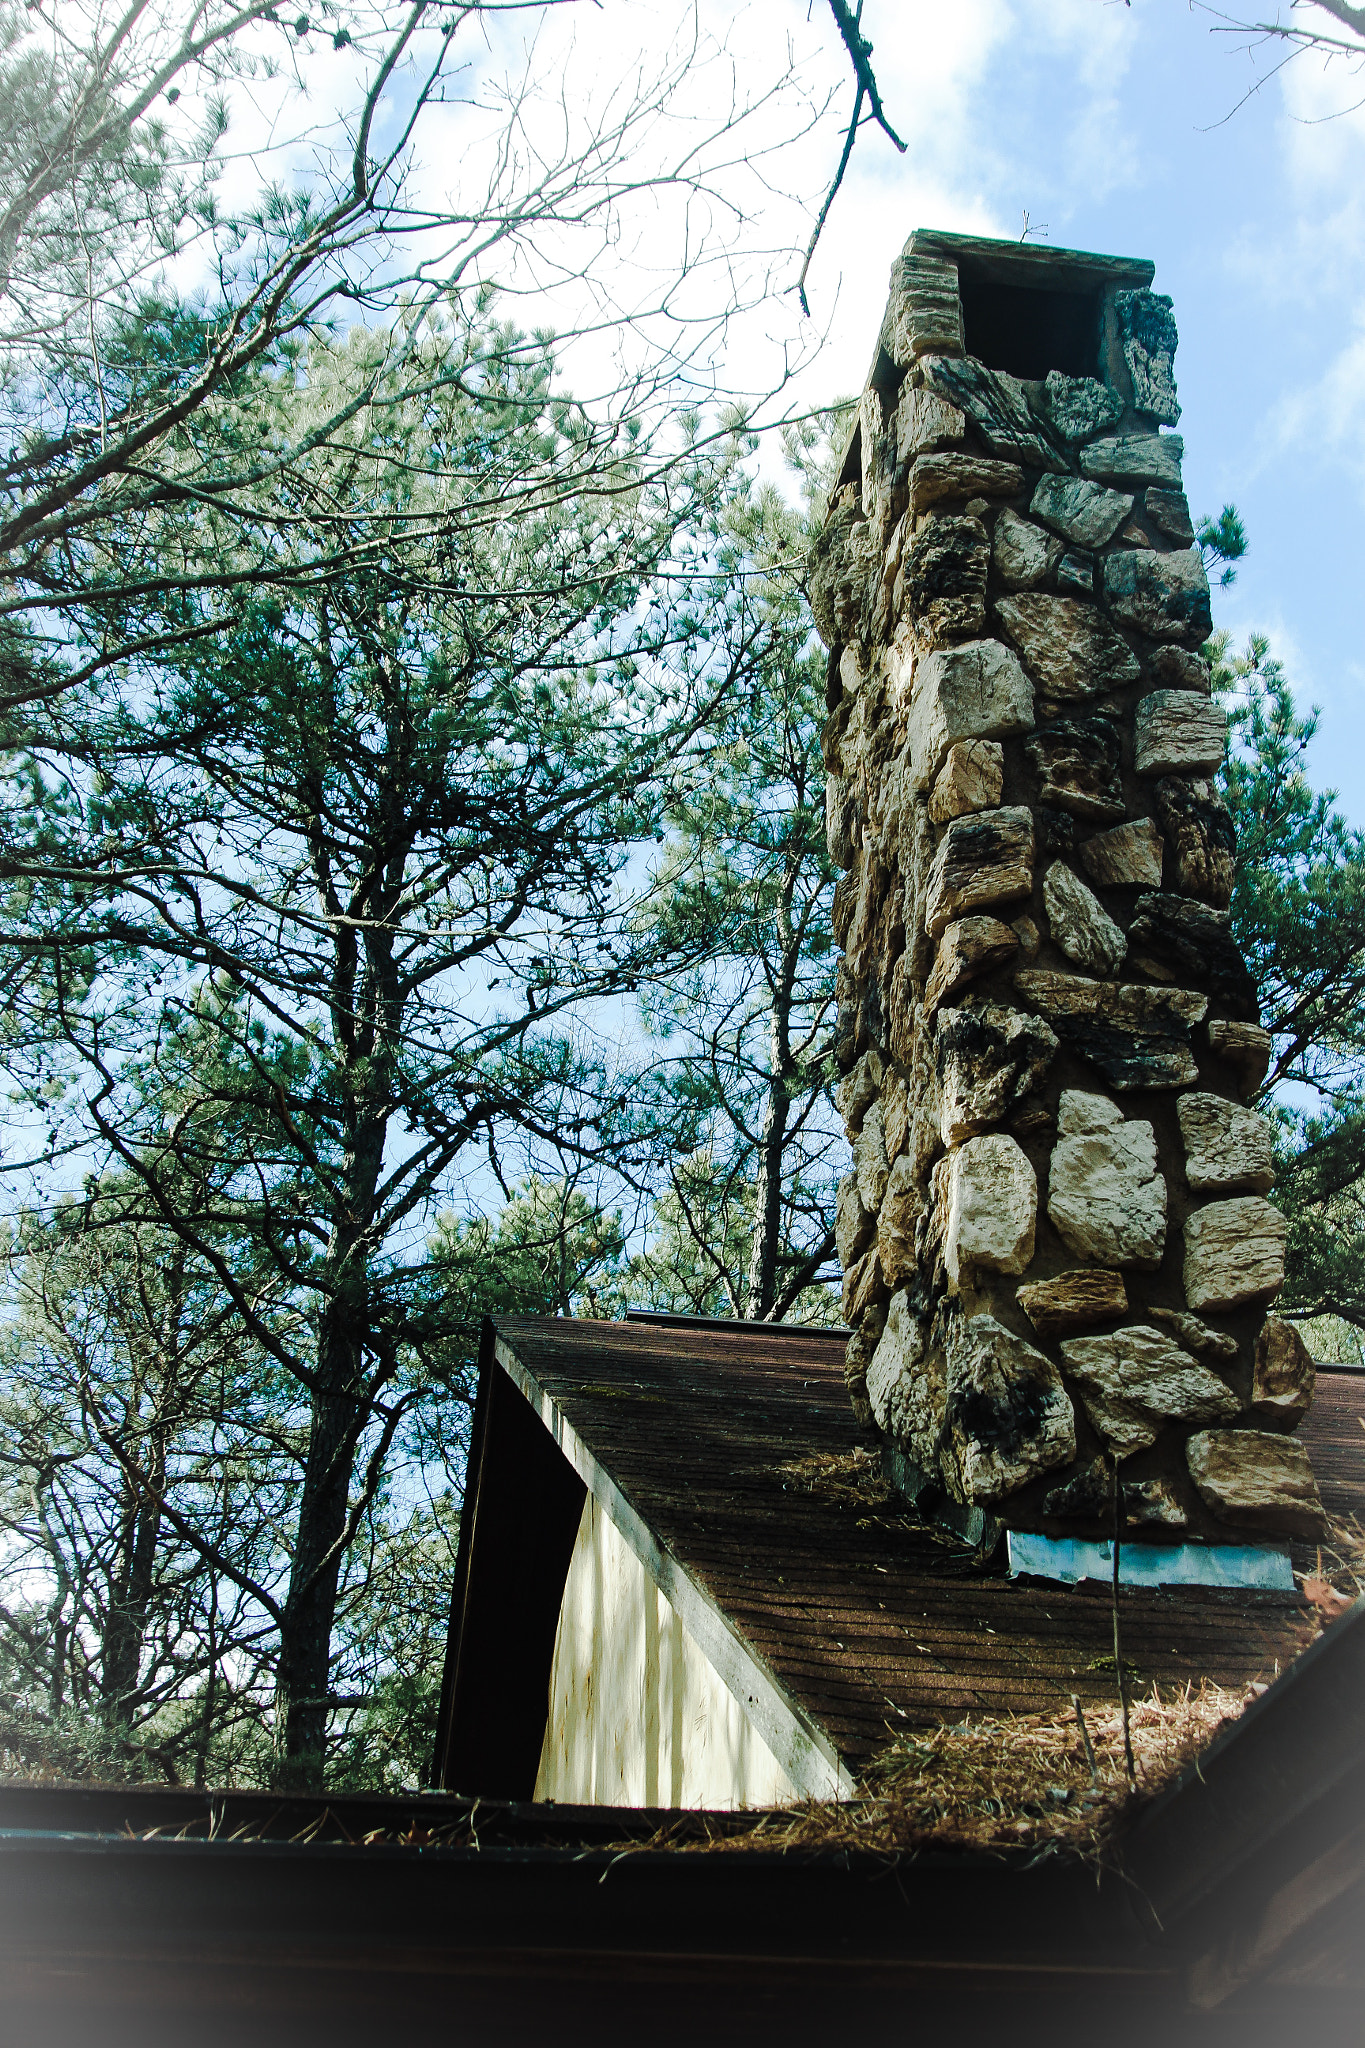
1227	1147
1128	856
896	1114
907	1384
1178	733
976	691
998	407
902	1207
1139	1368
1080	924
1078	761
1198	827
1245	1047
1171	935
1074	1300
1234	1253
970	947
949	479
864	1288
854	1223
992	1207
1069	648
1147	327
1076	575
926	424
1135	1037
1256	1480
1166	596
1022	554
1106	1192
870	1162
924	313
1153	1503
1284	1376
1135	459
1175	668
1078	408
971	779
1169	512
1196	1336
1007	1415
1087	514
985	858
987	1058
944	580
858	1090
857	1357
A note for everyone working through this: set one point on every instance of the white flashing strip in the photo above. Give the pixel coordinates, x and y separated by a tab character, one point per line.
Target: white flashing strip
1151	1564
799	1743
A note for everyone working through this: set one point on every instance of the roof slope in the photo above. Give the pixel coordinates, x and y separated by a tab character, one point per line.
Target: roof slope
734	1444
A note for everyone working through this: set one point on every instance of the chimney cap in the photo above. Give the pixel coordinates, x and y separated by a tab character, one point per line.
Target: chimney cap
1033	263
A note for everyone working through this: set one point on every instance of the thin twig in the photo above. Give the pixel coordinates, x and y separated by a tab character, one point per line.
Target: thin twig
860	52
1085	1739
1128	1763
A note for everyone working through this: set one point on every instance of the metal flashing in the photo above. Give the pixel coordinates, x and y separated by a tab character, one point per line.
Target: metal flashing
1069	1560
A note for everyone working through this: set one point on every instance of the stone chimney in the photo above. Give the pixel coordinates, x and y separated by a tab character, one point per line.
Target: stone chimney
1057	1246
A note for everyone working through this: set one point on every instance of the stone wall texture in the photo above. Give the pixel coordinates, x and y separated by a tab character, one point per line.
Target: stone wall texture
1057	1245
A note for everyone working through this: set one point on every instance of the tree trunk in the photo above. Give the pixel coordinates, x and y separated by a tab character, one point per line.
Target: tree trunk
761	1290
131	1594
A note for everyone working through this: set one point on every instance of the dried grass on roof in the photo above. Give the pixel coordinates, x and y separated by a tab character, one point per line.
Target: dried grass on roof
1022	1781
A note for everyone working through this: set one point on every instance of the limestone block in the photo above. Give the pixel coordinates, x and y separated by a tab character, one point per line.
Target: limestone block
1256	1480
1153	1503
1078	408
971	779
987	1058
1086	514
1069	648
896	1113
1076	575
926	424
1140	1369
858	1090
984	858
1088	1494
1171	935
1175	668
973	692
944	580
864	1287
1196	1336
907	1384
1080	924
1147	327
1178	733
1078	760
1021	553
998	407
1007	1415
949	479
901	1209
1127	856
1073	1300
992	1207
1166	596
854	1223
1198	826
1284	1377
1227	1147
1246	1047
1135	459
924	312
1106	1193
1169	512
841	820
870	1162
1136	1037
1234	1252
844	566
969	947
858	1354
